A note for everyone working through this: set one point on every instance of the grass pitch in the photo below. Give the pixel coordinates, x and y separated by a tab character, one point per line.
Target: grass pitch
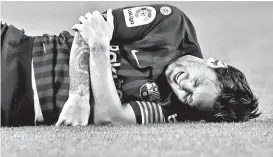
182	139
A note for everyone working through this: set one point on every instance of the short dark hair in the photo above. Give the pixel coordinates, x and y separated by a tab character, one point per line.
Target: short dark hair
236	102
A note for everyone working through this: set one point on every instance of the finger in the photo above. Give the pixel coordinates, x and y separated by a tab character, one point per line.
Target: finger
84	123
77	27
76	123
88	15
110	18
59	122
67	123
97	20
82	19
96	13
85	119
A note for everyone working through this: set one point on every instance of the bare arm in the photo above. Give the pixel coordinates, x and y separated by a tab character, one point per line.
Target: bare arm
108	107
78	66
98	33
76	109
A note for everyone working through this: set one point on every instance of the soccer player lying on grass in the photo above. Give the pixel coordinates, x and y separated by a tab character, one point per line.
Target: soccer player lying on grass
218	91
40	74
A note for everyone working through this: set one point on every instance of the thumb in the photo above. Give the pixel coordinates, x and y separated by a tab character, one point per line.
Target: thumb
110	18
77	27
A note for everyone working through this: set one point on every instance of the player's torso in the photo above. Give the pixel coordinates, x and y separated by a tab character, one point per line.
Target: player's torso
135	73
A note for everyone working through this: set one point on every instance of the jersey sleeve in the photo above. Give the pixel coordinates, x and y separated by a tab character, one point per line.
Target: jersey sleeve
150	112
163	25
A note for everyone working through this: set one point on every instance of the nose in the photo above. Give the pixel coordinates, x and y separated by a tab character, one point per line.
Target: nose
188	87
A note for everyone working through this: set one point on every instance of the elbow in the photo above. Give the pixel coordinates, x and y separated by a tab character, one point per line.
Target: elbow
107	120
114	120
122	115
103	120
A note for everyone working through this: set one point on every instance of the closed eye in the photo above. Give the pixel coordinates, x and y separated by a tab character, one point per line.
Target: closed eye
197	82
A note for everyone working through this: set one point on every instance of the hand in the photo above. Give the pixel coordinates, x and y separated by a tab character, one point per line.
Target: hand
75	112
94	29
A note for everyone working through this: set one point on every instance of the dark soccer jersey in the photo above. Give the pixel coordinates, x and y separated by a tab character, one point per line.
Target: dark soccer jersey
148	38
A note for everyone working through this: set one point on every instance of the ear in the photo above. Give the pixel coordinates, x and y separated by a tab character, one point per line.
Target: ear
214	63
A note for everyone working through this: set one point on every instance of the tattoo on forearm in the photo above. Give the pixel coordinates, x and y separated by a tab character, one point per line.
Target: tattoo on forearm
79	64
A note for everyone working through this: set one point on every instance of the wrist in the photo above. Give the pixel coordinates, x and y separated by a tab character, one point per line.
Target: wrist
101	42
100	52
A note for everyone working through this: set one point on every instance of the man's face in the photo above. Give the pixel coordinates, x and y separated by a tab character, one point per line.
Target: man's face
194	81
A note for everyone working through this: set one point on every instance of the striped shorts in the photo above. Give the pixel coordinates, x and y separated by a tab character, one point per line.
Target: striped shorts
50	63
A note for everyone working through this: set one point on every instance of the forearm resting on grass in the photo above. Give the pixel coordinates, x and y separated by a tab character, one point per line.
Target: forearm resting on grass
76	109
108	107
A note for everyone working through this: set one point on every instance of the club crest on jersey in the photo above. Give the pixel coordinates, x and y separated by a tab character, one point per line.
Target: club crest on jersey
149	92
172	118
165	10
138	16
